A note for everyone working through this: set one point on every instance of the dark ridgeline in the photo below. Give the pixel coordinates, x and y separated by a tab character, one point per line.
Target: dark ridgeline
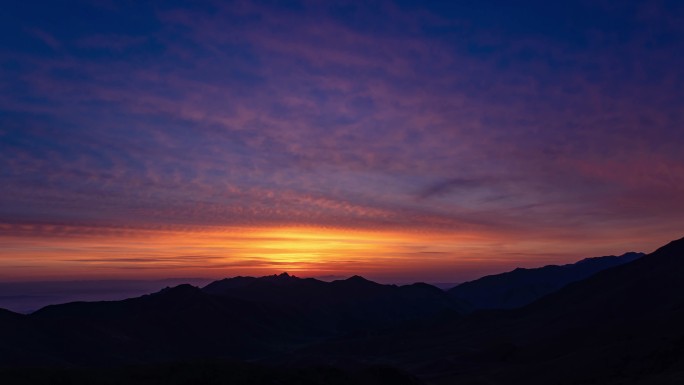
340	306
27	297
620	325
238	318
523	286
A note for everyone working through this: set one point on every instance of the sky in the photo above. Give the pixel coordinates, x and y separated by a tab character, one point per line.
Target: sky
400	140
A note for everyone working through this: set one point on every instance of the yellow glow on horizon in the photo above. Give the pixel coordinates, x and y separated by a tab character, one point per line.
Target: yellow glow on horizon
72	253
217	251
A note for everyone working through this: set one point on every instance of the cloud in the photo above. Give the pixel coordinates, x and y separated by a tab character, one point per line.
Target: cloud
46	38
115	43
449	185
433	120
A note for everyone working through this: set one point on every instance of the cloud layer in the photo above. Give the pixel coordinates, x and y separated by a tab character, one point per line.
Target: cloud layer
548	123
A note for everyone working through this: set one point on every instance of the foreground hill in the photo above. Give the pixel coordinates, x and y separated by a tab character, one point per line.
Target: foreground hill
211	372
523	286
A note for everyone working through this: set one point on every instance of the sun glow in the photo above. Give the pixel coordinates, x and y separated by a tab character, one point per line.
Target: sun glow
214	251
53	252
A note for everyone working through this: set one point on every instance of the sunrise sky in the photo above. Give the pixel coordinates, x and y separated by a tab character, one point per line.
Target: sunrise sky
402	141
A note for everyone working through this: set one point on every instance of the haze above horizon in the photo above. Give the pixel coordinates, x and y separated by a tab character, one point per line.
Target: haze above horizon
397	140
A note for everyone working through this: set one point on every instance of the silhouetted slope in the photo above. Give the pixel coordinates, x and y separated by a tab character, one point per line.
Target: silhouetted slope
175	323
29	296
12	331
523	286
7	316
621	325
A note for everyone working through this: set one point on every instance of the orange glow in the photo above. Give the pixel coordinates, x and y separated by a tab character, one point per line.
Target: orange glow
73	253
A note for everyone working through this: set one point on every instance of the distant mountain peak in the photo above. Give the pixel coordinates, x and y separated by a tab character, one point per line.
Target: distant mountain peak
359	279
422	286
279	278
357	282
182	289
283	275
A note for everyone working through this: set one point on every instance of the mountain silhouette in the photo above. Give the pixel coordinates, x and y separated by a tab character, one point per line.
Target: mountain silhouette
237	318
178	322
619	326
523	286
342	305
622	325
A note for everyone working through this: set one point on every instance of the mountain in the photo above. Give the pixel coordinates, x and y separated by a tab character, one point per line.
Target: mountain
176	323
239	318
622	325
27	297
12	329
340	305
523	286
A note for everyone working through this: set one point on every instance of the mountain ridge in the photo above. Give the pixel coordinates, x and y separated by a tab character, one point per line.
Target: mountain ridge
248	320
619	326
522	286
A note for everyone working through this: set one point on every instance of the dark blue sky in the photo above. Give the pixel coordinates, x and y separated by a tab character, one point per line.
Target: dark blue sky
530	132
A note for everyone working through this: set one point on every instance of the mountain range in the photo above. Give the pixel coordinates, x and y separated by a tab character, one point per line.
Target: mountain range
616	325
523	286
237	318
619	326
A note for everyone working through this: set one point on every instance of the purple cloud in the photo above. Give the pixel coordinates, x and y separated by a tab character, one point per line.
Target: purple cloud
341	116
